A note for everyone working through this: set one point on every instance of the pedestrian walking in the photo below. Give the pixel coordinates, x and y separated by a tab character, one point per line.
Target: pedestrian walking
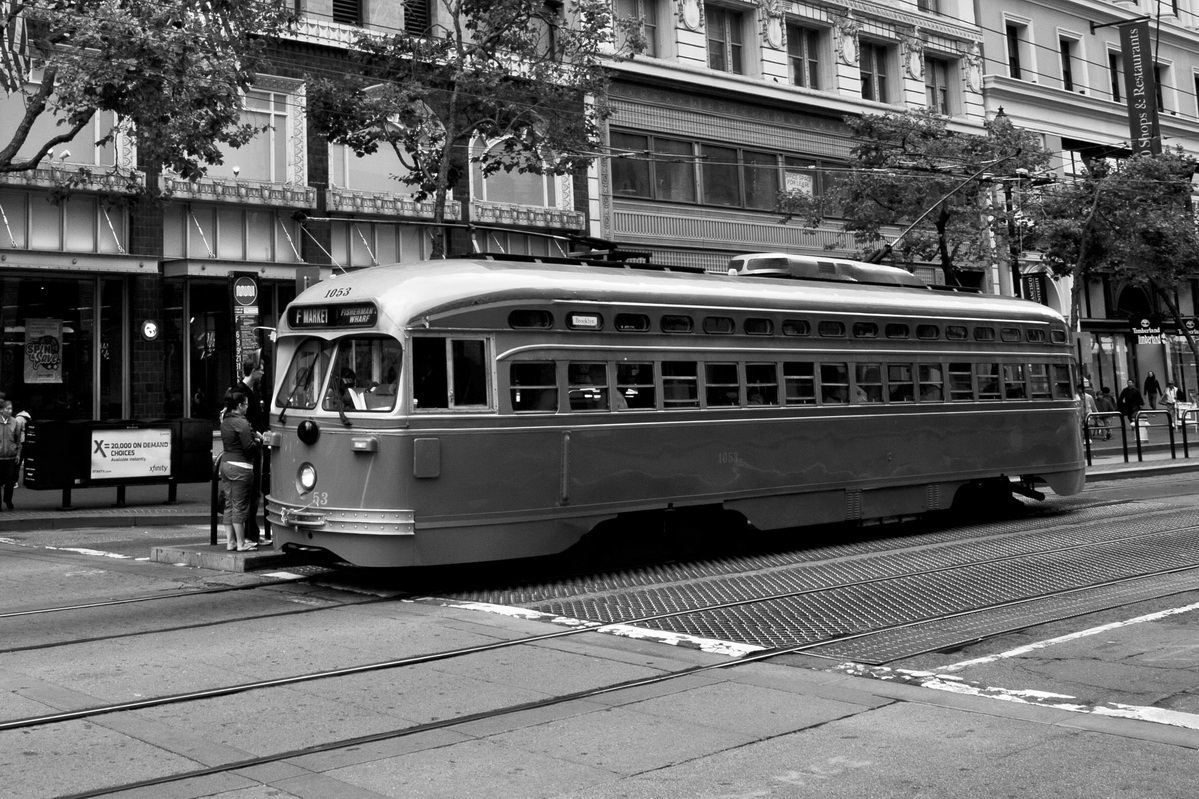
12	434
1088	409
241	446
1105	403
1152	390
1170	400
1130	402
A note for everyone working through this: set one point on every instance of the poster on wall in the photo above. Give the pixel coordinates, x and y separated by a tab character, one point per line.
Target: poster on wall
43	351
122	454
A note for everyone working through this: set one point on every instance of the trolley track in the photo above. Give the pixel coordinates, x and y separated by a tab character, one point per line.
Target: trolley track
586	626
440	724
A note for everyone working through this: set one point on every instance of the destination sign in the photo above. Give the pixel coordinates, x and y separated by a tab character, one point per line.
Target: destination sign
343	315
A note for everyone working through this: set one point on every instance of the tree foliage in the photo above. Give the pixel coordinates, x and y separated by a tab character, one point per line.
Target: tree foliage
526	77
1132	219
172	71
909	167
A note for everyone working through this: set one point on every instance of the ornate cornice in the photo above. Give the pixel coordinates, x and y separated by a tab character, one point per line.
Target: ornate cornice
346	201
523	216
242	192
52	177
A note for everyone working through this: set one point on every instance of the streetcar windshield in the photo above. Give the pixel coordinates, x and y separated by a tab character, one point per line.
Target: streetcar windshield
359	373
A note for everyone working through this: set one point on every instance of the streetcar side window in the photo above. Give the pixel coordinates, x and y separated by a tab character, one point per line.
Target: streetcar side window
680	384
761	384
900	386
673	323
757	326
449	373
834	383
961	382
897	330
869	377
1038	381
988	381
1010	334
865	330
1062	381
928	332
635	386
430	374
533	386
799	379
587	386
718	324
470	373
796	327
932	384
1014	383
721	384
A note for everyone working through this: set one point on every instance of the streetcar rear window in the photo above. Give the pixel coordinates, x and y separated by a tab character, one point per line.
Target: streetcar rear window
1014	382
1036	336
1010	334
982	333
1058	336
1061	381
1038	381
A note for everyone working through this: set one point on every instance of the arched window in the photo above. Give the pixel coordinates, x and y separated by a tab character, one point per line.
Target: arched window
515	187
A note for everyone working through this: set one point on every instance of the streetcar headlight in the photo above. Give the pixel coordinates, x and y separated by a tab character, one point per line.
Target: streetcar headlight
306	477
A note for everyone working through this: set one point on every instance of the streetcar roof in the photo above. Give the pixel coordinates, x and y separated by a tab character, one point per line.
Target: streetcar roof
409	293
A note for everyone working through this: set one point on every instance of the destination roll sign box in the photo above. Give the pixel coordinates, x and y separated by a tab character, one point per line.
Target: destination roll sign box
342	315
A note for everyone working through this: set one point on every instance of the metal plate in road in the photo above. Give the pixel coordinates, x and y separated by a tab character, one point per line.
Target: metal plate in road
1051	565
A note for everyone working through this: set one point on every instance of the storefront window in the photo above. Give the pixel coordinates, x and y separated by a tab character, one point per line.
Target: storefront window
49	346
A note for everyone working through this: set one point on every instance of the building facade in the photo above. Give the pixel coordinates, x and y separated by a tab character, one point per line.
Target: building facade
139	310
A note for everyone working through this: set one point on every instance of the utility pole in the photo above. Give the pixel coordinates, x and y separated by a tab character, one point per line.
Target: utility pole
1013	243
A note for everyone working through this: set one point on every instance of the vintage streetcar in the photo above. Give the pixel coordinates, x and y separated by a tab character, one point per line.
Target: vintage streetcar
490	408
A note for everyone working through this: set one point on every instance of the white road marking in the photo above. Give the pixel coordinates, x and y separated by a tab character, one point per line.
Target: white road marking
1023	650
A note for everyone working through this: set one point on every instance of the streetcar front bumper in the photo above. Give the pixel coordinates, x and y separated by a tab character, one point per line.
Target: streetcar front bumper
301	518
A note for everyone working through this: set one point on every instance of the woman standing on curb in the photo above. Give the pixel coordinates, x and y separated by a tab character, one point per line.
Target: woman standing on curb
241	444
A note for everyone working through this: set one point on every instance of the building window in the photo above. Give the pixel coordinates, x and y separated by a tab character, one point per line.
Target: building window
660	169
873	59
1158	79
1115	68
266	157
725	42
936	84
1013	51
929	6
719	168
515	187
418	16
1066	48
647	12
803	50
347	12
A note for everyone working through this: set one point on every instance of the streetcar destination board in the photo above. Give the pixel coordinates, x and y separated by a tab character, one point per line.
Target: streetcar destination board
342	315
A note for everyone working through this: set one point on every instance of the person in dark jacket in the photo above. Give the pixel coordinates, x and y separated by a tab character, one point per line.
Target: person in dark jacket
241	444
1130	401
1152	390
257	416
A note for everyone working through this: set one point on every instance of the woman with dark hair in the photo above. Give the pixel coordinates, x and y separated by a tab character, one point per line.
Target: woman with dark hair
241	444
